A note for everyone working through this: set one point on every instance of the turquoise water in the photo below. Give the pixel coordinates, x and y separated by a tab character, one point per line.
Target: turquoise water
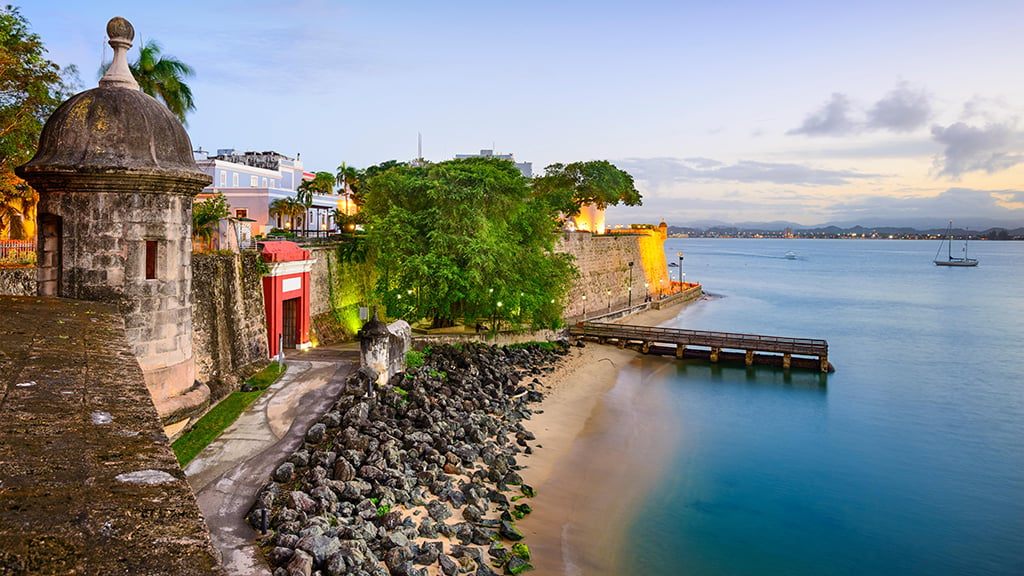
909	459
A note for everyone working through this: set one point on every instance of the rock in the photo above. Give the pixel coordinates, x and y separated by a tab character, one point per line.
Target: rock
319	547
284	473
438	510
517	565
316	433
301	502
344	470
508	531
397	558
428	554
301	564
391	520
449	567
472	514
279	555
331	419
466	565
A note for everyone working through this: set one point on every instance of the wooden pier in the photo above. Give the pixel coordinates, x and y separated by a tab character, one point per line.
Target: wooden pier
714	346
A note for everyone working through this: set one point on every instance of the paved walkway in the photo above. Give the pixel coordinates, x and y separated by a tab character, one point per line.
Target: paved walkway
229	472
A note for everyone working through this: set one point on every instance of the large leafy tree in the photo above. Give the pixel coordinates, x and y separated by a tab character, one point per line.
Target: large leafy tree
31	87
163	76
571	186
464	239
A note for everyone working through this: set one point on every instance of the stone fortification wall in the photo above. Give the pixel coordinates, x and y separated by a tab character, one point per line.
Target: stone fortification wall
18	281
90	484
420	342
229	319
603	262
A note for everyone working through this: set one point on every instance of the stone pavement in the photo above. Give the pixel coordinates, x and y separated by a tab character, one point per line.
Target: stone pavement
88	481
227	474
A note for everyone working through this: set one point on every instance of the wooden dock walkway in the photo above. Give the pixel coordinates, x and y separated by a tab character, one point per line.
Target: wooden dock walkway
715	346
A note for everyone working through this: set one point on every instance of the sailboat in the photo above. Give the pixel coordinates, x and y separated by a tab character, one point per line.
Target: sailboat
950	259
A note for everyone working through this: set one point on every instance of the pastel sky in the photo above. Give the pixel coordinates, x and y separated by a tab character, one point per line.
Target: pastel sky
810	112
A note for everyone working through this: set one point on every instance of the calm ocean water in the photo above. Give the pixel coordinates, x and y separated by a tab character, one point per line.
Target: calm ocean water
908	460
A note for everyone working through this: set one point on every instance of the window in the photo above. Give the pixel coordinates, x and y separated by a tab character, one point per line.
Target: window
223	178
151	255
264	182
234	180
241	213
254	181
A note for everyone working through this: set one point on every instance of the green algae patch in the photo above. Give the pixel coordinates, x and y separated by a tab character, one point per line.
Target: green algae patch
214	422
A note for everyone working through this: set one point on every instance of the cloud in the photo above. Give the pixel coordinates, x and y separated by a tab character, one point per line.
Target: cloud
659	172
901	110
994	148
832	120
961	203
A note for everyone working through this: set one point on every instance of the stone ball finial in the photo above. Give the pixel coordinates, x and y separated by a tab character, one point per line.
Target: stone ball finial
119	75
120	29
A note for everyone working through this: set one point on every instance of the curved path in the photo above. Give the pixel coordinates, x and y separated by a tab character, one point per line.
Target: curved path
229	472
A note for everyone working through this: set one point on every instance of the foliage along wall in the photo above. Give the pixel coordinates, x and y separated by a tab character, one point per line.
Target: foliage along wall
338	290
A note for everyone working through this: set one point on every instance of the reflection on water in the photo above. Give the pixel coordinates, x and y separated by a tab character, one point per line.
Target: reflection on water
756	375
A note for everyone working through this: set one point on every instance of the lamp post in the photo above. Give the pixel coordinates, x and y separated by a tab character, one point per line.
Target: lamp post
647	291
584	306
680	255
609	300
630	284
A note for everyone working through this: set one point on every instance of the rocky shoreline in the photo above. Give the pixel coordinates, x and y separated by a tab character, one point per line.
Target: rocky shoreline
419	479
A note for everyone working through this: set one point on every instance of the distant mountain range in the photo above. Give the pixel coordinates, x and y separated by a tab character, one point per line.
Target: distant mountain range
775	229
920	225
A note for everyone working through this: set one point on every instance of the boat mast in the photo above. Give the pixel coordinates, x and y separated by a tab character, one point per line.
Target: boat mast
949	235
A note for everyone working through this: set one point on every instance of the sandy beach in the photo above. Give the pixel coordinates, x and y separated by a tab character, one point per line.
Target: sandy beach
599	440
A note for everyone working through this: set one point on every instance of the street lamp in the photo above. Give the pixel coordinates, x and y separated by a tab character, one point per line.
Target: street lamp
680	255
630	284
647	291
609	300
584	306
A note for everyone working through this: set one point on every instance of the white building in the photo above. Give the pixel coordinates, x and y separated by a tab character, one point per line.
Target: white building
525	167
251	181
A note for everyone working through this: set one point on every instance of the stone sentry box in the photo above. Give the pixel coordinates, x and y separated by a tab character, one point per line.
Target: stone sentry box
116	179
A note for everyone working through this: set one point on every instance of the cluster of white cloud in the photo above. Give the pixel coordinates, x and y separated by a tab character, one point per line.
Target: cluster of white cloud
993	147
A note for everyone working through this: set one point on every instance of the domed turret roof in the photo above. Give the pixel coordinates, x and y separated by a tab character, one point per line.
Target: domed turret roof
114	128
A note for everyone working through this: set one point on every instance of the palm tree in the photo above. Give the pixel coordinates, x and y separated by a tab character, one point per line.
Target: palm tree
163	76
288	207
348	179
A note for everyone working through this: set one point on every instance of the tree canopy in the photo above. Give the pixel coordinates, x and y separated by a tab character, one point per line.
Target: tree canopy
571	186
464	239
31	87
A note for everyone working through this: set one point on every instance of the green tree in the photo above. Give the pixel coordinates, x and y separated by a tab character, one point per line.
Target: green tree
163	76
288	208
464	239
206	214
571	186
31	87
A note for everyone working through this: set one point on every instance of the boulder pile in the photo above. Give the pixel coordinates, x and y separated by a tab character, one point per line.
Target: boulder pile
418	478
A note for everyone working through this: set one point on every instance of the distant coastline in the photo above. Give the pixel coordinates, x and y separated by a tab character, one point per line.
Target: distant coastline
853	233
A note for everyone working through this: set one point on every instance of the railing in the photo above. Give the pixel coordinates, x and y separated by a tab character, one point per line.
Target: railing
17	251
777	344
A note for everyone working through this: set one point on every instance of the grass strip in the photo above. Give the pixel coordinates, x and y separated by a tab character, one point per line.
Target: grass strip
210	426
